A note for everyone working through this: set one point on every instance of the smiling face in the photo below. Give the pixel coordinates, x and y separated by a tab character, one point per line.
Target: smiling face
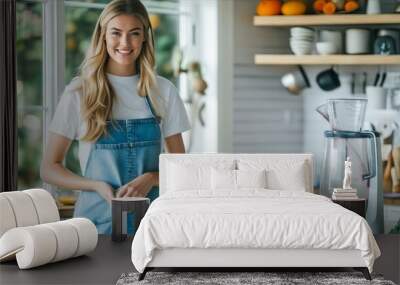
124	41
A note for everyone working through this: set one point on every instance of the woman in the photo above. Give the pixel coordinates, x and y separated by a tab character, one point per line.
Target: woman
119	110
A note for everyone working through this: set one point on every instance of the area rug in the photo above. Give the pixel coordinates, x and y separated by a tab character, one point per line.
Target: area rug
242	278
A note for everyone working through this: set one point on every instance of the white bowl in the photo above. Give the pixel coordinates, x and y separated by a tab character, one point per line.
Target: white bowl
300	41
299	31
304	50
326	48
303	37
301	46
301	50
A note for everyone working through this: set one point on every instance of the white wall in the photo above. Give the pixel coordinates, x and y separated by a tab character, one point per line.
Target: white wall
266	118
205	50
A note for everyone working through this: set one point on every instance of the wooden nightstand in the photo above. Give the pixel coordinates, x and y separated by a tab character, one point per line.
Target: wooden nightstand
357	206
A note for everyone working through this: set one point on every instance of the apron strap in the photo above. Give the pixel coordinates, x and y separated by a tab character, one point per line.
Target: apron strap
158	118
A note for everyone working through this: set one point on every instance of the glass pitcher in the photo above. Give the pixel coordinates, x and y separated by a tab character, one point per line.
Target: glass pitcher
363	148
344	114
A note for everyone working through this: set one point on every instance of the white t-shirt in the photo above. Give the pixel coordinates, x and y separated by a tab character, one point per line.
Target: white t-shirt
68	121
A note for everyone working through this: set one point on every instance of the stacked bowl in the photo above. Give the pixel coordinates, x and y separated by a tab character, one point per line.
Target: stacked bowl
301	40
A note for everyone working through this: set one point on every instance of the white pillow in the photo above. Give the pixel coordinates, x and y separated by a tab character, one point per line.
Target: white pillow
183	177
251	178
291	178
281	174
223	179
193	174
235	179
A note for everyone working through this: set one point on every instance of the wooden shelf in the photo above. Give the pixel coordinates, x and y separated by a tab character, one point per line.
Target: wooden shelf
327	20
391	196
288	59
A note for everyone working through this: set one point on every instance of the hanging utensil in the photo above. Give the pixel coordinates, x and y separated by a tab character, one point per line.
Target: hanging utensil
377	76
383	78
328	79
296	81
201	118
353	82
364	84
304	75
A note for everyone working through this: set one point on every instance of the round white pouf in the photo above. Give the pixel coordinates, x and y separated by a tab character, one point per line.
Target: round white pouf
87	234
45	205
40	244
23	208
33	246
7	218
67	240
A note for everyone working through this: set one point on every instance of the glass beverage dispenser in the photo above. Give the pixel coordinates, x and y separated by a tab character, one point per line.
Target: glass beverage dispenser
346	139
363	148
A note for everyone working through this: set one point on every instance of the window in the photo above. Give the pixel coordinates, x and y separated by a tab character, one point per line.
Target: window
29	45
78	23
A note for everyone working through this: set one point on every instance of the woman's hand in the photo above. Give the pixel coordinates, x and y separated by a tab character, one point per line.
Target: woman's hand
104	190
140	186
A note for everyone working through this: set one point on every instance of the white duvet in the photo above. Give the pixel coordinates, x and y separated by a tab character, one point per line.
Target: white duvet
250	219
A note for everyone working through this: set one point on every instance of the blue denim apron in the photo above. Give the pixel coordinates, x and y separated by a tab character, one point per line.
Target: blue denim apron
129	149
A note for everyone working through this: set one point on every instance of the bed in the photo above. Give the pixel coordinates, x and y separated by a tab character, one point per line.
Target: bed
247	210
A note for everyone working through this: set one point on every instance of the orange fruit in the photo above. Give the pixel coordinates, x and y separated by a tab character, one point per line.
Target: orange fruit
351	6
329	8
318	5
269	7
293	8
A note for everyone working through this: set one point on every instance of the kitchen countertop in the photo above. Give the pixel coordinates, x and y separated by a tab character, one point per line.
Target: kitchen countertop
110	259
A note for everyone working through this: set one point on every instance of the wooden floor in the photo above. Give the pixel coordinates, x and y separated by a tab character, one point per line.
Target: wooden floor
106	264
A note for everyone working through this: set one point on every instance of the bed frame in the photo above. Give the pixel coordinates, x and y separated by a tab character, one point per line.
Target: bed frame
242	259
245	258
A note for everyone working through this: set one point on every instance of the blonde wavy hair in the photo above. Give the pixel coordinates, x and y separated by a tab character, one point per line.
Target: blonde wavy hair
98	95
